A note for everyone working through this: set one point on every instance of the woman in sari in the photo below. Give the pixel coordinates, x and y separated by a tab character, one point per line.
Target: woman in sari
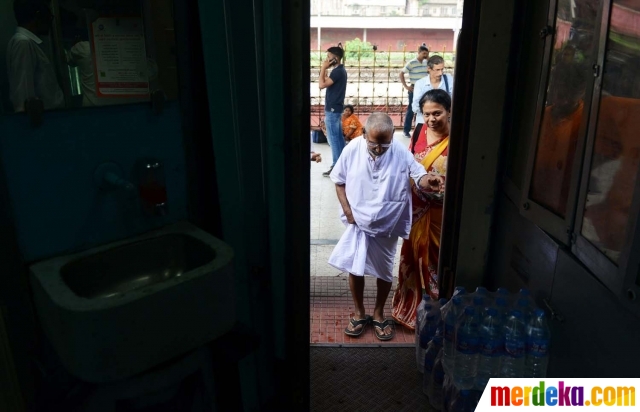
351	126
419	254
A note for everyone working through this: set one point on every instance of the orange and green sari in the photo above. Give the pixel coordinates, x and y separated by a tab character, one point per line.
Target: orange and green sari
419	254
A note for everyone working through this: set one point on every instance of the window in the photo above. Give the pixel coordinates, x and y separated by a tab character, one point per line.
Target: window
560	127
582	184
608	209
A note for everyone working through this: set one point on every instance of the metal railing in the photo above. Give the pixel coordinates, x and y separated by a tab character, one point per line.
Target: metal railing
373	83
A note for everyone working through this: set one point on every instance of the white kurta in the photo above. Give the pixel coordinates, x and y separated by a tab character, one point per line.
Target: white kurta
379	193
30	72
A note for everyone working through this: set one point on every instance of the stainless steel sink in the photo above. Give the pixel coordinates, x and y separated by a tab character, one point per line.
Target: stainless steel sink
117	310
136	265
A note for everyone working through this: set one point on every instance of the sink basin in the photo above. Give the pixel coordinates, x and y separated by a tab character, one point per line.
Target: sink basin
117	310
135	266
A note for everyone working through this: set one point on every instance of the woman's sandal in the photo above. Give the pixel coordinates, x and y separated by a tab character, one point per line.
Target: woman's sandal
354	323
379	327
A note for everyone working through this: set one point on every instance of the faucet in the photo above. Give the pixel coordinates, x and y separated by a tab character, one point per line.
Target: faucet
108	177
152	187
150	179
116	181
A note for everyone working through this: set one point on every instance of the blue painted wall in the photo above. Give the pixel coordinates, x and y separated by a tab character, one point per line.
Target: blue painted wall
56	206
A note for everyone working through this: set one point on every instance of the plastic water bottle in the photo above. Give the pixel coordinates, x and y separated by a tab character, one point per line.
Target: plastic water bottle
428	331
430	325
451	318
501	293
525	293
459	291
502	306
449	392
491	348
426	300
481	291
434	348
514	346
466	359
463	402
442	302
479	303
420	312
437	379
440	330
538	340
524	306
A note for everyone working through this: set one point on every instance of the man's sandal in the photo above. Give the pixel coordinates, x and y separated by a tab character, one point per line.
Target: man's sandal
379	327
354	323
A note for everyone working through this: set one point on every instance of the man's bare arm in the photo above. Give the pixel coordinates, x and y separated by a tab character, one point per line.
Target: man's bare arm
404	82
341	190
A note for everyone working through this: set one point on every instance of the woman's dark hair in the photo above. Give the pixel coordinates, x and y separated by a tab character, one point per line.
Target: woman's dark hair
436	96
349	106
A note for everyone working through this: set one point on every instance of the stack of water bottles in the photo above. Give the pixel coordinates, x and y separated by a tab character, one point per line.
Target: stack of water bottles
463	342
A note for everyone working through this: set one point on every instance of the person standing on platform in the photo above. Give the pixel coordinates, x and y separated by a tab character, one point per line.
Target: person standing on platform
416	69
336	85
435	80
374	190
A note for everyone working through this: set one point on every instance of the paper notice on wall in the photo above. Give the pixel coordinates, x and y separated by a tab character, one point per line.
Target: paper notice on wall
119	57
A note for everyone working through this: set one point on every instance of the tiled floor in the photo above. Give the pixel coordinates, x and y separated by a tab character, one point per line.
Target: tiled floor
332	306
331	302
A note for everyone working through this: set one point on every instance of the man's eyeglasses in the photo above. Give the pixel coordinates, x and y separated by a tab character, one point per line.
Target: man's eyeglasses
373	145
381	145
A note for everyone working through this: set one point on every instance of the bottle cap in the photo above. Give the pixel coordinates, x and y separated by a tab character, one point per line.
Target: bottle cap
426	297
460	290
442	301
469	310
492	312
516	313
480	290
540	312
525	292
457	300
502	291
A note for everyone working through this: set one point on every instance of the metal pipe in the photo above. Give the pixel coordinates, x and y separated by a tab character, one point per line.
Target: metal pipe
60	59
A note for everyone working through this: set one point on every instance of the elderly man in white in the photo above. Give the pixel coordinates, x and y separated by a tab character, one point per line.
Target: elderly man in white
31	74
373	184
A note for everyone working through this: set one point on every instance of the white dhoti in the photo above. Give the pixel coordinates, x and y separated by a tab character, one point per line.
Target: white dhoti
360	254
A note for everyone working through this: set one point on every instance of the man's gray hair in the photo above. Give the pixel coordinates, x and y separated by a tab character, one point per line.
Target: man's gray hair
379	122
434	60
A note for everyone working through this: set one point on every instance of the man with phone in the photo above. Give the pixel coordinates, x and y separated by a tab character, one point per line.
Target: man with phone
336	85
